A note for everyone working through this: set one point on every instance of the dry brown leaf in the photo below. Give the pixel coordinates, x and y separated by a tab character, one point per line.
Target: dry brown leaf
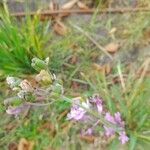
98	67
74	59
48	126
10	126
60	28
112	47
64	113
69	4
12	146
25	144
106	68
74	85
82	5
88	138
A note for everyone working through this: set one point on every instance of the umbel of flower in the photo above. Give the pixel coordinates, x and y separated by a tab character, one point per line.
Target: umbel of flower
116	119
39	64
79	112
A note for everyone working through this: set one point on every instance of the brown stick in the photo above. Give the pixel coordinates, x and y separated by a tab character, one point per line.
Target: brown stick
80	11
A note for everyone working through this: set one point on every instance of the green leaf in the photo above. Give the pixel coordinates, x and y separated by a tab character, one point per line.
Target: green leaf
132	142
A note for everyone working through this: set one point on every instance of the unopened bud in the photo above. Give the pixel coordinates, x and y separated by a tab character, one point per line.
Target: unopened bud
39	64
13	82
10	80
44	77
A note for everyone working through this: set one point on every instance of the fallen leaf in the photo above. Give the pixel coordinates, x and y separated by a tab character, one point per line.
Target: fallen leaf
12	146
74	85
81	5
10	126
88	138
74	59
106	68
60	28
112	47
98	67
25	144
69	4
47	126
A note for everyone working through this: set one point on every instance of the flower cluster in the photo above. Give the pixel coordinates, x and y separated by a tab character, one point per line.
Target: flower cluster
48	88
116	120
81	111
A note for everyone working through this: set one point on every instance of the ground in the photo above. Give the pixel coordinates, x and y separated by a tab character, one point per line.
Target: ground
84	68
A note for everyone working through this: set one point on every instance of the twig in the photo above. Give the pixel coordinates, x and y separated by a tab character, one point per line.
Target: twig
92	40
39	104
80	11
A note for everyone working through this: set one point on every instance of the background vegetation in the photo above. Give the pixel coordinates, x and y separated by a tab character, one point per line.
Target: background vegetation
85	70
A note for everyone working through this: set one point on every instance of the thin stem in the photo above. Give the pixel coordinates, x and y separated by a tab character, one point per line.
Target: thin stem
39	104
92	40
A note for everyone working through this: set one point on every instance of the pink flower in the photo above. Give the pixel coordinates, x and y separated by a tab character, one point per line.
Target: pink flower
89	131
123	137
110	118
109	131
98	102
76	113
118	119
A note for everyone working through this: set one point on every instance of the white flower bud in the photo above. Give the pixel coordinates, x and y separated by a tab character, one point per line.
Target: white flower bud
10	80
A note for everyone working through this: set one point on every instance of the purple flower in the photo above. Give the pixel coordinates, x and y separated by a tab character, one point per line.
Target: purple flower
78	112
123	137
110	118
16	110
89	131
118	119
109	131
98	102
